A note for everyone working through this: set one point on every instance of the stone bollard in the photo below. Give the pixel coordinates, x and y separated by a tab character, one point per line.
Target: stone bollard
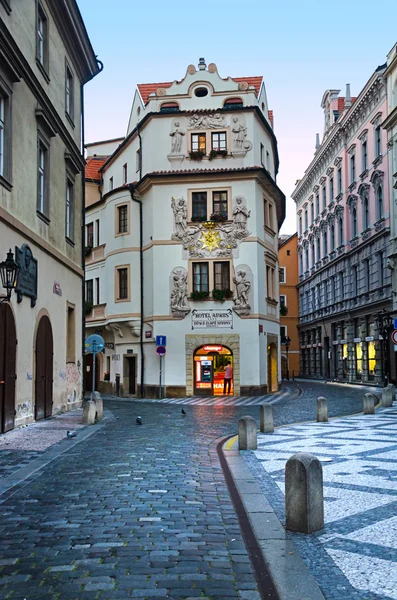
322	410
266	418
388	395
99	409
369	404
304	501
247	438
89	412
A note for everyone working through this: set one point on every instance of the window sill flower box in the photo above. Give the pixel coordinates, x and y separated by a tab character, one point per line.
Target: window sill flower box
215	153
196	154
196	296
283	310
218	217
222	295
199	219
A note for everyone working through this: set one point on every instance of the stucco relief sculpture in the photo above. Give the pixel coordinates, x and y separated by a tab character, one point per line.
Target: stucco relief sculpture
216	121
239	142
242	284
179	292
210	239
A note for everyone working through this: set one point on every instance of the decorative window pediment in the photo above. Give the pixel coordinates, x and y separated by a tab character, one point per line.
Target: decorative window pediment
330	171
363	136
377	177
316	188
377	119
45	122
323	180
352	201
351	150
337	161
363	190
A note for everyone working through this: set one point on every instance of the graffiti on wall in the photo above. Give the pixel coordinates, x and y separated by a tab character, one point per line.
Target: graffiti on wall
73	382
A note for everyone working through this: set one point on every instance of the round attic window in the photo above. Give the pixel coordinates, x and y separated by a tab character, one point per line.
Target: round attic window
201	92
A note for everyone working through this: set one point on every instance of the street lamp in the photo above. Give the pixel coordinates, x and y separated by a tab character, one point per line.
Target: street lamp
286	341
9	271
384	323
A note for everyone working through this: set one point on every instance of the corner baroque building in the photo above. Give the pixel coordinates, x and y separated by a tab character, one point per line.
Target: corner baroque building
343	215
45	59
182	241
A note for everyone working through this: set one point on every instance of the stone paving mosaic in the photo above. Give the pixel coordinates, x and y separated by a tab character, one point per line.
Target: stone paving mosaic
355	556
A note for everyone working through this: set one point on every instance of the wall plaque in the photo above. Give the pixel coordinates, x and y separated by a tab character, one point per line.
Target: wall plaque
212	319
27	278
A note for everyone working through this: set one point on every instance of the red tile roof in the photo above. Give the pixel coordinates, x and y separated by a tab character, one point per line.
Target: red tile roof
145	89
270	113
93	164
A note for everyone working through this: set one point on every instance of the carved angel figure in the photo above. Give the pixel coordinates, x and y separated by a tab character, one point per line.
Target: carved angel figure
243	286
179	293
176	134
240	215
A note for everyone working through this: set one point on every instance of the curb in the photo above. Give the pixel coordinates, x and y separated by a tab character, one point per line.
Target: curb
290	576
34	468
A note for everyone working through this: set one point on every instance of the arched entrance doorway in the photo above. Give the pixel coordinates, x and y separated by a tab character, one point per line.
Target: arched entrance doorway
89	361
209	364
272	383
44	369
8	351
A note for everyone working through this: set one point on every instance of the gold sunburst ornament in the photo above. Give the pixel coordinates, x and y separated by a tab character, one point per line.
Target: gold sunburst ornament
210	239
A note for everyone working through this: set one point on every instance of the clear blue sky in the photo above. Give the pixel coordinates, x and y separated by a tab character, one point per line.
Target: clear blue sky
301	48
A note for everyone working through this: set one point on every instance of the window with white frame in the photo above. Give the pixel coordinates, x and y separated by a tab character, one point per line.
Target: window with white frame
378	141
331	188
42	37
324	192
300	224
211	275
352	168
283	332
282	274
218	141
306	220
339	177
206	203
69	96
364	155
283	300
317	205
311	213
43	179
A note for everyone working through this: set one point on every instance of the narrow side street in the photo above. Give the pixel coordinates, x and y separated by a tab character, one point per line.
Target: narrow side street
138	511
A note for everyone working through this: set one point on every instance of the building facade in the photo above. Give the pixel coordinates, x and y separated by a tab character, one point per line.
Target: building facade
188	219
343	214
289	305
390	125
45	59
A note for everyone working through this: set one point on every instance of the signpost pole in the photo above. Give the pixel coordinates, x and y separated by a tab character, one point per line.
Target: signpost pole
93	368
161	368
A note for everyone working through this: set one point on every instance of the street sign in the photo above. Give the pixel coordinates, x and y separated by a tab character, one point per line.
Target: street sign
161	350
395	323
394	336
94	344
161	340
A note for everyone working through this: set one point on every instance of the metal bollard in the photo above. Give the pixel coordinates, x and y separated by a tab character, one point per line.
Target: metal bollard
304	500
266	418
247	435
322	410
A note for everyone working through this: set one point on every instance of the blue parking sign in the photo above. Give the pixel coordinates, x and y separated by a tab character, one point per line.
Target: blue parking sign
161	340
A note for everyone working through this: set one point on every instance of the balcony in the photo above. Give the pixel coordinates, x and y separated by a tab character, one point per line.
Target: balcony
94	313
94	254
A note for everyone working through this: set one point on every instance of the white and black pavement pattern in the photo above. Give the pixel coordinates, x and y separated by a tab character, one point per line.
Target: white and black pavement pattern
355	556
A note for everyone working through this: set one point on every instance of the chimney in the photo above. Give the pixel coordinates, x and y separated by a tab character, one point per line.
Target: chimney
317	141
202	66
348	98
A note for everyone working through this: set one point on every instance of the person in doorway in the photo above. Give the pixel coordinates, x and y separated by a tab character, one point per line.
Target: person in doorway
228	378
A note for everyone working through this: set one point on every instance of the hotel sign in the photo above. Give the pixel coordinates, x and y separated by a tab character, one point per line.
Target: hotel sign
212	319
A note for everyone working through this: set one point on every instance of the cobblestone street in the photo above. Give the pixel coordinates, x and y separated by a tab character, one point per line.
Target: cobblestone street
138	511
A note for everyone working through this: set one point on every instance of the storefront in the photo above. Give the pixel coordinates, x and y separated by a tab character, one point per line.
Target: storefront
209	366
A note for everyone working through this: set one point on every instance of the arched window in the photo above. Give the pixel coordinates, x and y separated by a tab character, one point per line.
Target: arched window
233	103
365	213
340	232
379	201
354	223
169	107
332	240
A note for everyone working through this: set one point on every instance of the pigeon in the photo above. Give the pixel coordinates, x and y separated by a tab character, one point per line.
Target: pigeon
183	411
70	434
139	421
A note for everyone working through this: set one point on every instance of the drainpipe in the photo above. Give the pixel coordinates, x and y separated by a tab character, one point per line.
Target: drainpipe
131	190
140	152
83	361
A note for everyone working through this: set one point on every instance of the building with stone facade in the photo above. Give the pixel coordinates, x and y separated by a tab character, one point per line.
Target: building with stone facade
289	305
188	214
45	59
390	125
343	215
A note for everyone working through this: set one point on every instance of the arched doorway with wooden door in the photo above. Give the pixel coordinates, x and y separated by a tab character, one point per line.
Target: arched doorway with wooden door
44	352
272	382
8	353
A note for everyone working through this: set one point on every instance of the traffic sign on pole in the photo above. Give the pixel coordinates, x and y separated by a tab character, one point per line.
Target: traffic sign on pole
395	323
394	336
161	350
161	340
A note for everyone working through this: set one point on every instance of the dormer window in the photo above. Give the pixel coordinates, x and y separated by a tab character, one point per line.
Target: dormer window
169	107
233	103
